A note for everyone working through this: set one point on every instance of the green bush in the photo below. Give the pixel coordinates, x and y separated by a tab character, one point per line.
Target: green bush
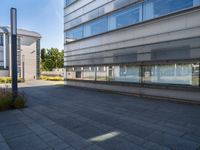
6	101
48	78
20	102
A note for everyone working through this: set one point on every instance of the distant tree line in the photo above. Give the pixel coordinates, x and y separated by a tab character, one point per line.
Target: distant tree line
51	58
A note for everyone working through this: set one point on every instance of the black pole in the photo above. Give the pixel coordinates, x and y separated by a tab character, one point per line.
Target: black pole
13	13
23	68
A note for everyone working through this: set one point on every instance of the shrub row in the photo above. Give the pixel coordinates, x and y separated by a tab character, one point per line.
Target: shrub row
8	80
48	78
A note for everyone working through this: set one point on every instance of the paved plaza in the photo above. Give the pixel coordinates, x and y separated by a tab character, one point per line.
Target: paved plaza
68	118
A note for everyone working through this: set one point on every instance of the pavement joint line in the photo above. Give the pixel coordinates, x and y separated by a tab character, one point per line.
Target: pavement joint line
65	105
119	116
114	129
65	129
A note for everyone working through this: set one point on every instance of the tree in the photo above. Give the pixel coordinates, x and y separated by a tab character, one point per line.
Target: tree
51	58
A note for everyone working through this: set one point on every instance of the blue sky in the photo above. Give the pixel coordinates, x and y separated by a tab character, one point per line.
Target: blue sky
43	16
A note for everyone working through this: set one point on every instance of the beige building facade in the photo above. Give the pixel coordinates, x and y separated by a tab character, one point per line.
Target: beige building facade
28	53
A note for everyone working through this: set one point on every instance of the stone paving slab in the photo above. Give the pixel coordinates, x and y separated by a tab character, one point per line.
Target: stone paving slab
66	118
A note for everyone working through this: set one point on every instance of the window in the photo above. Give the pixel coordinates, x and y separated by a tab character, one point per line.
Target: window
125	17
126	73
148	9
178	74
95	27
68	2
74	34
156	8
89	73
1	40
70	73
102	73
18	43
186	74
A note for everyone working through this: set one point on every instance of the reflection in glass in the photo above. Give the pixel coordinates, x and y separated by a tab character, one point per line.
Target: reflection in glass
102	73
156	8
89	73
184	74
96	27
148	9
126	73
74	34
125	17
178	74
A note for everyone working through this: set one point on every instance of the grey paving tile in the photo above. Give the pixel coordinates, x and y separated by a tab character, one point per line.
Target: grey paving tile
16	130
59	118
47	137
93	147
133	139
4	146
172	142
116	143
1	138
192	137
154	146
37	129
27	142
69	137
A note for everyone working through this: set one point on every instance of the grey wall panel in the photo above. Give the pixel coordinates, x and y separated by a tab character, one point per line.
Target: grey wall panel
191	96
173	50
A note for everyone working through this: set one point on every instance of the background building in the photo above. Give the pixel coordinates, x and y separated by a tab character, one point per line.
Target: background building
28	53
147	47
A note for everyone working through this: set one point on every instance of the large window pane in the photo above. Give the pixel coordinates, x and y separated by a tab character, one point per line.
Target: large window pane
89	73
185	74
125	17
70	73
126	73
102	73
156	8
96	27
74	34
1	39
68	2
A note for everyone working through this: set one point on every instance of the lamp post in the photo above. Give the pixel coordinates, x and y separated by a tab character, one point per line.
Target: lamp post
13	15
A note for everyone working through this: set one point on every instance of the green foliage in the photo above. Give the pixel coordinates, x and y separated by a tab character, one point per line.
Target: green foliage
20	102
9	80
47	78
51	58
6	101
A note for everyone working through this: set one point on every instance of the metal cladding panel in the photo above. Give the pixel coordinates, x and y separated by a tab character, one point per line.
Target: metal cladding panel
173	50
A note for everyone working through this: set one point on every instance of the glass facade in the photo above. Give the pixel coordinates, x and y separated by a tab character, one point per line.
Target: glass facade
126	73
156	8
174	74
131	15
185	74
95	27
1	40
125	17
74	34
68	2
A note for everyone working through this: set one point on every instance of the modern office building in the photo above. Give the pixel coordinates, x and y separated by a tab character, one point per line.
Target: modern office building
144	47
28	53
